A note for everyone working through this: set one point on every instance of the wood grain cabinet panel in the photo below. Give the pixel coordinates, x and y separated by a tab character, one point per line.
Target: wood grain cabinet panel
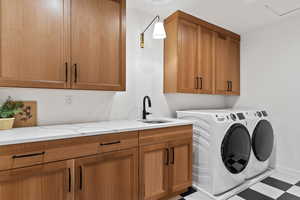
154	171
227	65
33	43
40	182
110	176
222	64
234	66
187	52
180	165
205	62
98	44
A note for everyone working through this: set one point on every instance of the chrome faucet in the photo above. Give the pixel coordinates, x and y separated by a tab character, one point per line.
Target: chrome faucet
145	113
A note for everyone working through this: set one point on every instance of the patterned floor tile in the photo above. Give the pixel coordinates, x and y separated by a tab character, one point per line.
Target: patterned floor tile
277	187
295	190
253	195
277	183
287	196
267	190
286	178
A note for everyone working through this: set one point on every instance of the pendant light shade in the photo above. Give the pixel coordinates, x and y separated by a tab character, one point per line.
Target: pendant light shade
159	31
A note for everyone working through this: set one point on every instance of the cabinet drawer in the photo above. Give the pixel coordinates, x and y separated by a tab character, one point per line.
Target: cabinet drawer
116	142
21	155
161	135
21	159
29	154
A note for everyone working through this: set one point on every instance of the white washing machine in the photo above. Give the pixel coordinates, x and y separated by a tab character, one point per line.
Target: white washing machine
262	140
222	148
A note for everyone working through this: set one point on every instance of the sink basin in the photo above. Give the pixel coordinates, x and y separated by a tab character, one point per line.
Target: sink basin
155	121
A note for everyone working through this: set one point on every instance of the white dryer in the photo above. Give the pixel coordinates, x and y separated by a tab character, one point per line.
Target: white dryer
262	140
222	148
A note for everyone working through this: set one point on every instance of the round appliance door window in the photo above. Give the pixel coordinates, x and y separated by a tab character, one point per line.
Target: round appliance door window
263	140
236	148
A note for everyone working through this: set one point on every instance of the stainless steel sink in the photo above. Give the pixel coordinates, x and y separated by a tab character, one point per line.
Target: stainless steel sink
155	121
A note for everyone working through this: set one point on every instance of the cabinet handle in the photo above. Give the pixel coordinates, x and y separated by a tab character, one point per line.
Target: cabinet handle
197	82
173	156
66	65
75	73
70	179
167	159
110	143
28	155
201	83
230	86
80	177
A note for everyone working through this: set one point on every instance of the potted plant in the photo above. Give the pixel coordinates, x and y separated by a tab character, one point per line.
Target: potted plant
8	111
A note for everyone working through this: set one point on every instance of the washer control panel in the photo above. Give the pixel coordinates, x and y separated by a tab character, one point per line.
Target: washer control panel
230	117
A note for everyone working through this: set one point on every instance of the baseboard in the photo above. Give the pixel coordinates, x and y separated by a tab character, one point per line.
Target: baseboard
288	171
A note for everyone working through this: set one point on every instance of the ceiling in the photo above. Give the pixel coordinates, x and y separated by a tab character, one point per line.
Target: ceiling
239	16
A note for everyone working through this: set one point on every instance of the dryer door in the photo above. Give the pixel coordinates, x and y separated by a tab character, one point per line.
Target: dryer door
236	148
263	140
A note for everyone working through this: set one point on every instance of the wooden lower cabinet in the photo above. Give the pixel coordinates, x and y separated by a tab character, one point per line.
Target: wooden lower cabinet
111	176
150	165
40	182
154	171
180	165
165	169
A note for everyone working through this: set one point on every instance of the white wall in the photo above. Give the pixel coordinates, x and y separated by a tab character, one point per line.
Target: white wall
144	77
270	74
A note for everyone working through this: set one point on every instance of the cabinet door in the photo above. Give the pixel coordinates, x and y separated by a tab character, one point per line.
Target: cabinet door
205	60
111	176
222	64
180	165
33	46
234	66
98	44
41	182
154	171
187	61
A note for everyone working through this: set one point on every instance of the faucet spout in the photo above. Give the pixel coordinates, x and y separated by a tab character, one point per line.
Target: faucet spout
145	113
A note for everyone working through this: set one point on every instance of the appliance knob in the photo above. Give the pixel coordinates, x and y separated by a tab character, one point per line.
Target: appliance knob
233	116
259	114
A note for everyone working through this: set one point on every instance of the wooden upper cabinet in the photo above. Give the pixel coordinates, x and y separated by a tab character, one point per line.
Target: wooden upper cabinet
222	65
110	176
33	45
205	60
154	171
40	182
234	66
227	65
200	57
187	53
98	44
72	44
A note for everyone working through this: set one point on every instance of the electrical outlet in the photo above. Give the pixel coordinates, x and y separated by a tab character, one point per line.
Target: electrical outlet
68	100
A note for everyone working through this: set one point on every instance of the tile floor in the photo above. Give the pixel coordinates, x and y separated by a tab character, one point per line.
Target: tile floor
278	186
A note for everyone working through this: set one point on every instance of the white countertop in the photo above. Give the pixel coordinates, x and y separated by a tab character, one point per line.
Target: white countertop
46	133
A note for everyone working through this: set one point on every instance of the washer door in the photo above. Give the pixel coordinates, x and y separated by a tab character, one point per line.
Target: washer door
263	140
236	148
